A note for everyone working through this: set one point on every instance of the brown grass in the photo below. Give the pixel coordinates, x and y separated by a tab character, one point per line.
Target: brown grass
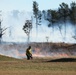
37	66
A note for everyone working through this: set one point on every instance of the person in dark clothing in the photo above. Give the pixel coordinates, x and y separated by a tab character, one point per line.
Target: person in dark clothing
29	53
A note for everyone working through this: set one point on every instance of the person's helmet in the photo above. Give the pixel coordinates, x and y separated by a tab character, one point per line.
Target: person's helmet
29	46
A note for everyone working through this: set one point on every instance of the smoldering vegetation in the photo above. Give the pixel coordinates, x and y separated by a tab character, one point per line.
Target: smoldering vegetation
54	49
38	49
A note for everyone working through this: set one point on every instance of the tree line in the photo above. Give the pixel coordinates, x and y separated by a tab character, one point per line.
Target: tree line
59	17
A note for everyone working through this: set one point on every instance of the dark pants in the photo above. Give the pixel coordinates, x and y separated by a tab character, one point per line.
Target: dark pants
29	57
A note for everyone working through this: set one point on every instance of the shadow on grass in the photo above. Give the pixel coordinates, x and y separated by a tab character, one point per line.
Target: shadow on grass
63	60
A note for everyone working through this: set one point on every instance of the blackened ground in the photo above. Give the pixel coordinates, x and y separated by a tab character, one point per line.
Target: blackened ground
63	60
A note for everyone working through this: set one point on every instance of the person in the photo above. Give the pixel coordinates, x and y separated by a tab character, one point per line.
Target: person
29	53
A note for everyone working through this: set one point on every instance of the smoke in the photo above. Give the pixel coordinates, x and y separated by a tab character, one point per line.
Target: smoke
10	53
38	50
15	20
13	50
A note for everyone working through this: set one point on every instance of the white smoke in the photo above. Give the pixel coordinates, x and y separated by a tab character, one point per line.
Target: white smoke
9	52
15	20
13	50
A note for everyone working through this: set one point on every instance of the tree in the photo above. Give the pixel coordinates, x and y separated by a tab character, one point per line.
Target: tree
52	18
44	14
37	14
47	38
73	14
1	32
1	29
27	28
59	21
64	13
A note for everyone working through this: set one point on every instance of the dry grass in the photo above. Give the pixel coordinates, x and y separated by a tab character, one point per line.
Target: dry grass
37	66
37	73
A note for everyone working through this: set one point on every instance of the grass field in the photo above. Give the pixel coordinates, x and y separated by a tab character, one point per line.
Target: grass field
37	66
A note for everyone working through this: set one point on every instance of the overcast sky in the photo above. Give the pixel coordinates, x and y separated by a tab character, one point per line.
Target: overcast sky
8	5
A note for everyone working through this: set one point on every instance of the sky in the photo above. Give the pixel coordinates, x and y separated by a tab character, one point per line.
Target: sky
8	5
15	12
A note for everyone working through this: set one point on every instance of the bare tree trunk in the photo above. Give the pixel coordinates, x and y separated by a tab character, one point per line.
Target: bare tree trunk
60	30
36	26
65	31
28	38
0	40
75	30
